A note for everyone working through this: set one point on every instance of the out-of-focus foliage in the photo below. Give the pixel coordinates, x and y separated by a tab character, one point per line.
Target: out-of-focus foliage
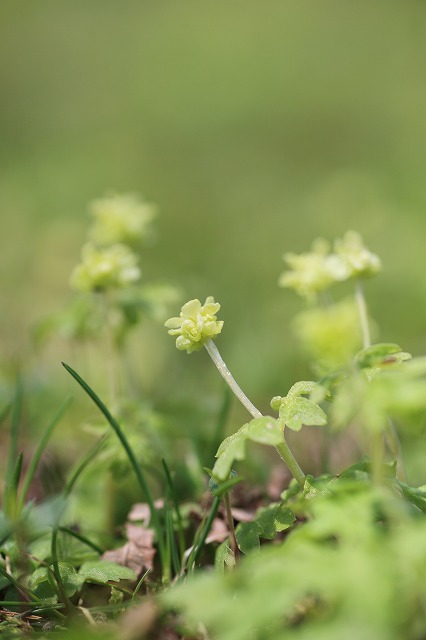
355	569
253	127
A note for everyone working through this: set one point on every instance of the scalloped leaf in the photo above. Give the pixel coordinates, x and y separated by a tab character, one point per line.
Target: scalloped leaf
296	411
301	388
233	448
273	519
268	522
102	571
248	536
265	430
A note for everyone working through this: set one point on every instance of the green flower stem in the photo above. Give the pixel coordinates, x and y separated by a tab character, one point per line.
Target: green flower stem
363	316
377	456
229	379
394	447
291	462
110	351
283	448
391	436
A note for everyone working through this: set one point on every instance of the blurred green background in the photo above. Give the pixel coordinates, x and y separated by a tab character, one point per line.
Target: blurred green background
254	126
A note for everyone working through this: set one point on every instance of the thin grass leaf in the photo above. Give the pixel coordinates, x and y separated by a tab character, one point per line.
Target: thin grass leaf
171	487
57	574
130	454
140	583
14	436
84	462
82	538
11	490
205	532
32	467
5	411
26	593
171	541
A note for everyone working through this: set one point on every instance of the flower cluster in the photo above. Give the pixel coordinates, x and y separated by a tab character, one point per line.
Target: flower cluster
122	218
360	262
108	261
196	324
105	268
318	269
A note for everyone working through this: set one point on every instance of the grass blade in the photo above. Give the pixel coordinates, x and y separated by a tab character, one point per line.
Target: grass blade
130	454
205	532
32	467
5	411
181	537
14	435
80	467
82	538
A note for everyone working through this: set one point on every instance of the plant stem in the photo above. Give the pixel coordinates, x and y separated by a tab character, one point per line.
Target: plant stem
232	535
377	454
291	462
394	447
229	379
391	436
110	352
283	448
362	312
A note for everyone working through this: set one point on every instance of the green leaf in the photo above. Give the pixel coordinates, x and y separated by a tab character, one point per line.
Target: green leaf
304	387
43	584
71	581
296	411
235	436
102	571
416	495
265	430
248	534
380	355
268	522
224	557
233	448
274	519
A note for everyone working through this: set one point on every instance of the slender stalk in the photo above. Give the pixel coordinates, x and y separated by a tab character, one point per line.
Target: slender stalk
110	353
394	447
232	535
377	454
391	436
229	379
291	462
283	448
362	312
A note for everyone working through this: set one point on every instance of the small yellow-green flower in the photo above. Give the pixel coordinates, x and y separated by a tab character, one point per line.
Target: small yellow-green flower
105	268
196	324
360	261
313	271
122	218
331	335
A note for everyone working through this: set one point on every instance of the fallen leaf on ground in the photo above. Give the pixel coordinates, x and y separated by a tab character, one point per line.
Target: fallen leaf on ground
138	552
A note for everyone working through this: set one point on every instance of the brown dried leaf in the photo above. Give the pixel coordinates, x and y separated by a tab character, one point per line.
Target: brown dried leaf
242	515
140	511
138	552
218	532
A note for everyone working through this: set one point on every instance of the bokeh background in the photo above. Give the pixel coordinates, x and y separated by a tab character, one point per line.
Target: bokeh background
254	126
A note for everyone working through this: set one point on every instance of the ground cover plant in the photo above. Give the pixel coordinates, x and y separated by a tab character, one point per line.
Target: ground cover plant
338	554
